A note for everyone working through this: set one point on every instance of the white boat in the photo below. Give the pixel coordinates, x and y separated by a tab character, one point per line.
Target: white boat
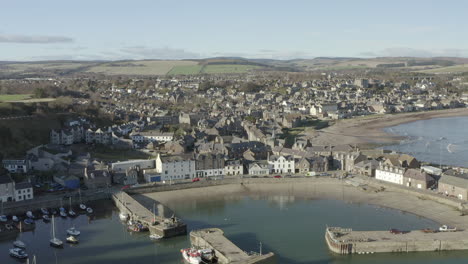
89	210
83	207
72	240
191	255
155	237
44	211
72	231
123	216
30	214
3	218
18	253
19	244
15	219
63	214
55	242
446	228
46	218
71	213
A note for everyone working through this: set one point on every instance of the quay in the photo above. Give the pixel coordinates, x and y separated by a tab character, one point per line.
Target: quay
347	241
160	225
225	250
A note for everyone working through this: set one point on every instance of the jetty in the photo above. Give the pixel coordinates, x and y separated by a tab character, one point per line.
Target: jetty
347	241
165	227
226	251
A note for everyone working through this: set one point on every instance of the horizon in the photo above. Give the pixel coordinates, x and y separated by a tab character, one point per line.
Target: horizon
118	30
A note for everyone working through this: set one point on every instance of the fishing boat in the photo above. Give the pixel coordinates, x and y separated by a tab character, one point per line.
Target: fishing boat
30	215
15	219
89	210
19	244
155	237
191	255
46	218
72	240
18	253
138	228
55	242
44	211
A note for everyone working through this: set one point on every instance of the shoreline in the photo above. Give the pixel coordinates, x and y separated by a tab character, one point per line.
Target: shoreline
370	130
320	188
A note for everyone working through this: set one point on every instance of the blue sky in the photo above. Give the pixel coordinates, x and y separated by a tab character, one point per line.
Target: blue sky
138	29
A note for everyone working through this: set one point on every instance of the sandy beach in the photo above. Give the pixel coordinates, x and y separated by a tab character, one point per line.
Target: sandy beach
369	129
316	188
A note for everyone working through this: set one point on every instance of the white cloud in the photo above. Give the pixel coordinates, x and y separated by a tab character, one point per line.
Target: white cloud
411	52
26	39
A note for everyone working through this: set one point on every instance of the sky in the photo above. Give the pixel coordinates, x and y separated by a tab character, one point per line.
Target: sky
140	29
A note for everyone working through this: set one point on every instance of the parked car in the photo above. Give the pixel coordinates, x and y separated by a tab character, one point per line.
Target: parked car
277	176
395	231
125	187
195	179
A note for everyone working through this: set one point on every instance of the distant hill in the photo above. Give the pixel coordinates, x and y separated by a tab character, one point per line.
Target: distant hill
223	65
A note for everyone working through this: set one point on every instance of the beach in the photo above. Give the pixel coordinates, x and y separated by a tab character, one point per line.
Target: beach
369	130
320	188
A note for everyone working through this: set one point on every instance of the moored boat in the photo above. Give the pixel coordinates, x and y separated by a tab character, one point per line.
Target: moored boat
89	210
191	255
30	215
72	231
3	218
55	242
83	206
46	218
28	221
19	244
155	237
123	216
44	211
15	219
18	253
72	240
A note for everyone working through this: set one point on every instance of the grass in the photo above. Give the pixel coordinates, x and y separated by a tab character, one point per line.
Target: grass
228	68
14	97
449	69
156	67
187	70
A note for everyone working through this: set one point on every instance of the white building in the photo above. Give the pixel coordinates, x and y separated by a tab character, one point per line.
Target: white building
175	168
390	173
23	191
233	167
281	164
16	166
7	188
260	167
152	136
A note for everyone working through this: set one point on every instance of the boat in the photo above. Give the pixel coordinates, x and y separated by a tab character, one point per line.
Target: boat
72	231
72	240
71	213
30	215
8	227
63	213
18	253
83	206
53	212
155	237
138	227
46	218
123	216
191	255
3	218
28	221
55	242
15	219
207	255
44	211
19	244
446	228
89	210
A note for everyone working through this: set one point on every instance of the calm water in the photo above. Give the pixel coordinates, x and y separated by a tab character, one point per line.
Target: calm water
440	140
294	229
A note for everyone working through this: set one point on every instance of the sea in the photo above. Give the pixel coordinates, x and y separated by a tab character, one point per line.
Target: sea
438	141
292	228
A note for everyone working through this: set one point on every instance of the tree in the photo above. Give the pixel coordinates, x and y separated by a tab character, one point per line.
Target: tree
40	93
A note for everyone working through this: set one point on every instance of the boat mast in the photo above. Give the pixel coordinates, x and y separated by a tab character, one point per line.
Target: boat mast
53	227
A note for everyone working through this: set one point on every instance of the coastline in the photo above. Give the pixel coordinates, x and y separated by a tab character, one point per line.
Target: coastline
319	188
369	130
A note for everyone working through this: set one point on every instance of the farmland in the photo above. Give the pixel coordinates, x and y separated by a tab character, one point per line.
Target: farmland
190	69
14	97
451	69
228	68
156	67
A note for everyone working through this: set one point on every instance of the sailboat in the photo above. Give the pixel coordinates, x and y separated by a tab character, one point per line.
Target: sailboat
18	243
63	213
70	210
55	242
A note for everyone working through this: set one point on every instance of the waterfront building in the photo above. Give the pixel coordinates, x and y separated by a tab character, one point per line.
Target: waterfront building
281	164
175	167
390	173
23	191
454	184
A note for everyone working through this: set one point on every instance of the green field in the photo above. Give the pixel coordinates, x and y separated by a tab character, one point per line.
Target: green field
228	68
449	69
187	70
139	67
14	97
